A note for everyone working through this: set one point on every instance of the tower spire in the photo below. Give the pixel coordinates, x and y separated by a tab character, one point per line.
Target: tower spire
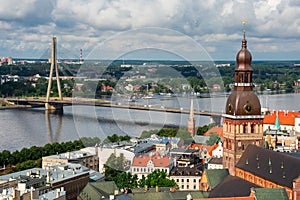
244	41
191	121
243	111
192	109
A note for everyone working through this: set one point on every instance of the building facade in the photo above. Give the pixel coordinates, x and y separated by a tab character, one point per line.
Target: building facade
87	157
187	178
68	178
243	122
270	169
144	165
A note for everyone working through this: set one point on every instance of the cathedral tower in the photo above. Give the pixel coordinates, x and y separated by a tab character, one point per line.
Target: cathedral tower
243	121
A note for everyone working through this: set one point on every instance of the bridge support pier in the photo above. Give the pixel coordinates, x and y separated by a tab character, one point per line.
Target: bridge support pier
54	108
215	120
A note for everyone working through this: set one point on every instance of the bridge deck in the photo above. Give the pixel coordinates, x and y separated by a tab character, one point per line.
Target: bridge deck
103	103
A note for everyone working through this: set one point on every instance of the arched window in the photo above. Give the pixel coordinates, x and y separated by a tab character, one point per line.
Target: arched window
241	78
247	78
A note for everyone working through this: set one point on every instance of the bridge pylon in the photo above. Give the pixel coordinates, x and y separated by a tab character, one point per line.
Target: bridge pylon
48	105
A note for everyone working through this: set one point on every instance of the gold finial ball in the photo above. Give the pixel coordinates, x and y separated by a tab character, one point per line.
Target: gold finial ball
245	22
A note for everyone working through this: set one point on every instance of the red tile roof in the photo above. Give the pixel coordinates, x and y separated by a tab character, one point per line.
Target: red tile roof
207	147
195	146
285	117
226	198
157	159
212	148
216	129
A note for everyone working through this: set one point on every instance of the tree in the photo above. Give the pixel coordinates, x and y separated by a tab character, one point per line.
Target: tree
117	163
203	129
289	86
213	139
26	158
126	180
110	172
90	142
115	138
147	134
157	178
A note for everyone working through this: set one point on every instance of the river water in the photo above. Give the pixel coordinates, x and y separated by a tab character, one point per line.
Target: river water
25	128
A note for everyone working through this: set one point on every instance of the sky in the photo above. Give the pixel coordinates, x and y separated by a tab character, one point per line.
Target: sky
190	29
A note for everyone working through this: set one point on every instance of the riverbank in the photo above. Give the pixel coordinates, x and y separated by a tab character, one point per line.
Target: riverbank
4	105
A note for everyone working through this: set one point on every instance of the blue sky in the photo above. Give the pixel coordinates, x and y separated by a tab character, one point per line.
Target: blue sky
273	29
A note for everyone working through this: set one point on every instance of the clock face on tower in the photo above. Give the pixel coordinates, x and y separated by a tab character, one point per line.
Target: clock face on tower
248	108
229	108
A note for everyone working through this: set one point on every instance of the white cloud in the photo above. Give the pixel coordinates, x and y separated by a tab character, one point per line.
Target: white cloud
215	24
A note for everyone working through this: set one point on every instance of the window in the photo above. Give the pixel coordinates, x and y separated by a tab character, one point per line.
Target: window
182	180
244	128
187	187
246	78
177	180
239	143
182	187
252	128
187	180
194	187
194	180
241	78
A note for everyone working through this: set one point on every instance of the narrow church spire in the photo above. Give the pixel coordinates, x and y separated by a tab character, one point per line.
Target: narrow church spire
192	110
277	123
191	121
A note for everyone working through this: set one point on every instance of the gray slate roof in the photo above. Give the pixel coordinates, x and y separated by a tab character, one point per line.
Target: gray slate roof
277	167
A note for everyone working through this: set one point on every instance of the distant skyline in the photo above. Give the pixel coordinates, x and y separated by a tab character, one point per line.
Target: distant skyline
273	29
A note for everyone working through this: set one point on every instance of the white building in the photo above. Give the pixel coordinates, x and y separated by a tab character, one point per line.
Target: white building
187	178
87	157
218	151
144	165
104	154
215	163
